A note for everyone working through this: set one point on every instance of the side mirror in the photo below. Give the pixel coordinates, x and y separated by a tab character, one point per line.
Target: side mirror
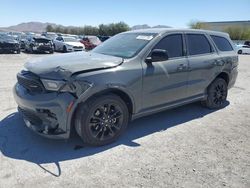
157	55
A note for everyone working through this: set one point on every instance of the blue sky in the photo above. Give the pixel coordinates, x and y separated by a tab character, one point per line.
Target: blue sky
175	13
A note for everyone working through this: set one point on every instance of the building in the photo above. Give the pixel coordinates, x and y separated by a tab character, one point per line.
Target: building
221	26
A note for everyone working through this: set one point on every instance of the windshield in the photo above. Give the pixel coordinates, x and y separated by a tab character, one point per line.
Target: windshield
125	45
69	39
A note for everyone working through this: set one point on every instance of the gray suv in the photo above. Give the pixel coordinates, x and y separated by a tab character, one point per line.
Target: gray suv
131	75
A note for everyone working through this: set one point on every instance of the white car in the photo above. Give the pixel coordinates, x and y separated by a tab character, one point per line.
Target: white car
67	44
243	49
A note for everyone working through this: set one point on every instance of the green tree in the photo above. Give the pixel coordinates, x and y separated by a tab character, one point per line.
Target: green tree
49	28
238	32
102	29
198	25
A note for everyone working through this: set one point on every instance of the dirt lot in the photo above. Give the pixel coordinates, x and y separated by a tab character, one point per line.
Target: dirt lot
186	147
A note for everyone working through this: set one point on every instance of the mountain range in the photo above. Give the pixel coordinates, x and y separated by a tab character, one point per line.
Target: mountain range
41	27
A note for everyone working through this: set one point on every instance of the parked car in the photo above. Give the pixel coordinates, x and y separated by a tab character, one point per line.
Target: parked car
243	49
90	42
131	75
39	44
68	44
8	44
247	43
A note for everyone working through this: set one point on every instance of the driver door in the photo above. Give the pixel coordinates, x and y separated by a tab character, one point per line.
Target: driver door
166	81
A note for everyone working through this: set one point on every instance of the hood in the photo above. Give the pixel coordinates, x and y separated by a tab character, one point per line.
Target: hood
64	66
74	43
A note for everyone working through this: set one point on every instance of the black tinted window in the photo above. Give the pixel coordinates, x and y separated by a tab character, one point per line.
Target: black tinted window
59	38
222	43
172	44
198	44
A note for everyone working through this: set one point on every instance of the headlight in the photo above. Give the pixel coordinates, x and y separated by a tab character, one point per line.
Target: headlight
52	85
62	86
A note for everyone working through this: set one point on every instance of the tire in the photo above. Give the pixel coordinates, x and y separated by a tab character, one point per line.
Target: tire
216	94
240	52
51	51
64	49
18	51
101	120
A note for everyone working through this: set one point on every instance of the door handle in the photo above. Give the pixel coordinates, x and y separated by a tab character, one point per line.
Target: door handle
181	67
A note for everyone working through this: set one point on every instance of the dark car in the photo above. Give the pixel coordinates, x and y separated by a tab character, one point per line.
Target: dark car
247	43
90	42
39	44
103	38
131	75
8	44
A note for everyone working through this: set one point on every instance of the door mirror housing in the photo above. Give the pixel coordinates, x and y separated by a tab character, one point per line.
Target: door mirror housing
157	55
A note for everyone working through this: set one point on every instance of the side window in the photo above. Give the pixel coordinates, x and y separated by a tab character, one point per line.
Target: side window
222	43
59	38
198	44
172	44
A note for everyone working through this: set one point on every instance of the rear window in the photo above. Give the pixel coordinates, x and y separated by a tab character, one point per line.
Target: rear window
198	44
222	43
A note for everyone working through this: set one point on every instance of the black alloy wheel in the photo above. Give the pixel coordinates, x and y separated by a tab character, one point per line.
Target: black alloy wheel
101	120
106	121
216	94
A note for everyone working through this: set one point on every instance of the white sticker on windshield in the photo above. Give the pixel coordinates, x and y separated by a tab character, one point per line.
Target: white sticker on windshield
144	37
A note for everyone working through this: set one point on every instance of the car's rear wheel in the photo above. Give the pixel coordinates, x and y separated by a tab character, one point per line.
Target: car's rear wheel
101	120
216	94
240	52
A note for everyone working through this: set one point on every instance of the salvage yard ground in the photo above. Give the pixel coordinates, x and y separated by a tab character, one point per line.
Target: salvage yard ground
189	146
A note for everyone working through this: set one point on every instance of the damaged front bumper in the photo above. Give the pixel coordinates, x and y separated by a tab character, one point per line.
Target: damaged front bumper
45	113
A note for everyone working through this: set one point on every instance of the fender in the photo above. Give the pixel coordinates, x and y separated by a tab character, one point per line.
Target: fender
96	91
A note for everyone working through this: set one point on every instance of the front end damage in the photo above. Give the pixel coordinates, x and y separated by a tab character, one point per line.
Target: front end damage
48	91
46	111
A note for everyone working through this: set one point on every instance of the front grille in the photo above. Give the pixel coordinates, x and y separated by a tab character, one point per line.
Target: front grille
30	116
77	47
30	81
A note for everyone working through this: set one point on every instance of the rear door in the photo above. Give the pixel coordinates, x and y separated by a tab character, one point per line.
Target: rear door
166	81
203	60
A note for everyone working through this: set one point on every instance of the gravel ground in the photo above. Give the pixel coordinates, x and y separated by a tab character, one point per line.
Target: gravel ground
186	147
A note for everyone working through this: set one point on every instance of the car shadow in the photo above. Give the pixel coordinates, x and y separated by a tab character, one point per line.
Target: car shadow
18	142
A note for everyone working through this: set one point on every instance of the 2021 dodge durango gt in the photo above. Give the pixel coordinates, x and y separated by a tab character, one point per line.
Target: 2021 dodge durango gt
131	75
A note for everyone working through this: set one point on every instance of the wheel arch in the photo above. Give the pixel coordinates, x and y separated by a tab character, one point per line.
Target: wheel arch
128	99
223	75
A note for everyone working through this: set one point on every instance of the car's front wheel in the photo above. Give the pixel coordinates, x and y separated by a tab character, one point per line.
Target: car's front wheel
64	49
240	52
101	120
216	94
